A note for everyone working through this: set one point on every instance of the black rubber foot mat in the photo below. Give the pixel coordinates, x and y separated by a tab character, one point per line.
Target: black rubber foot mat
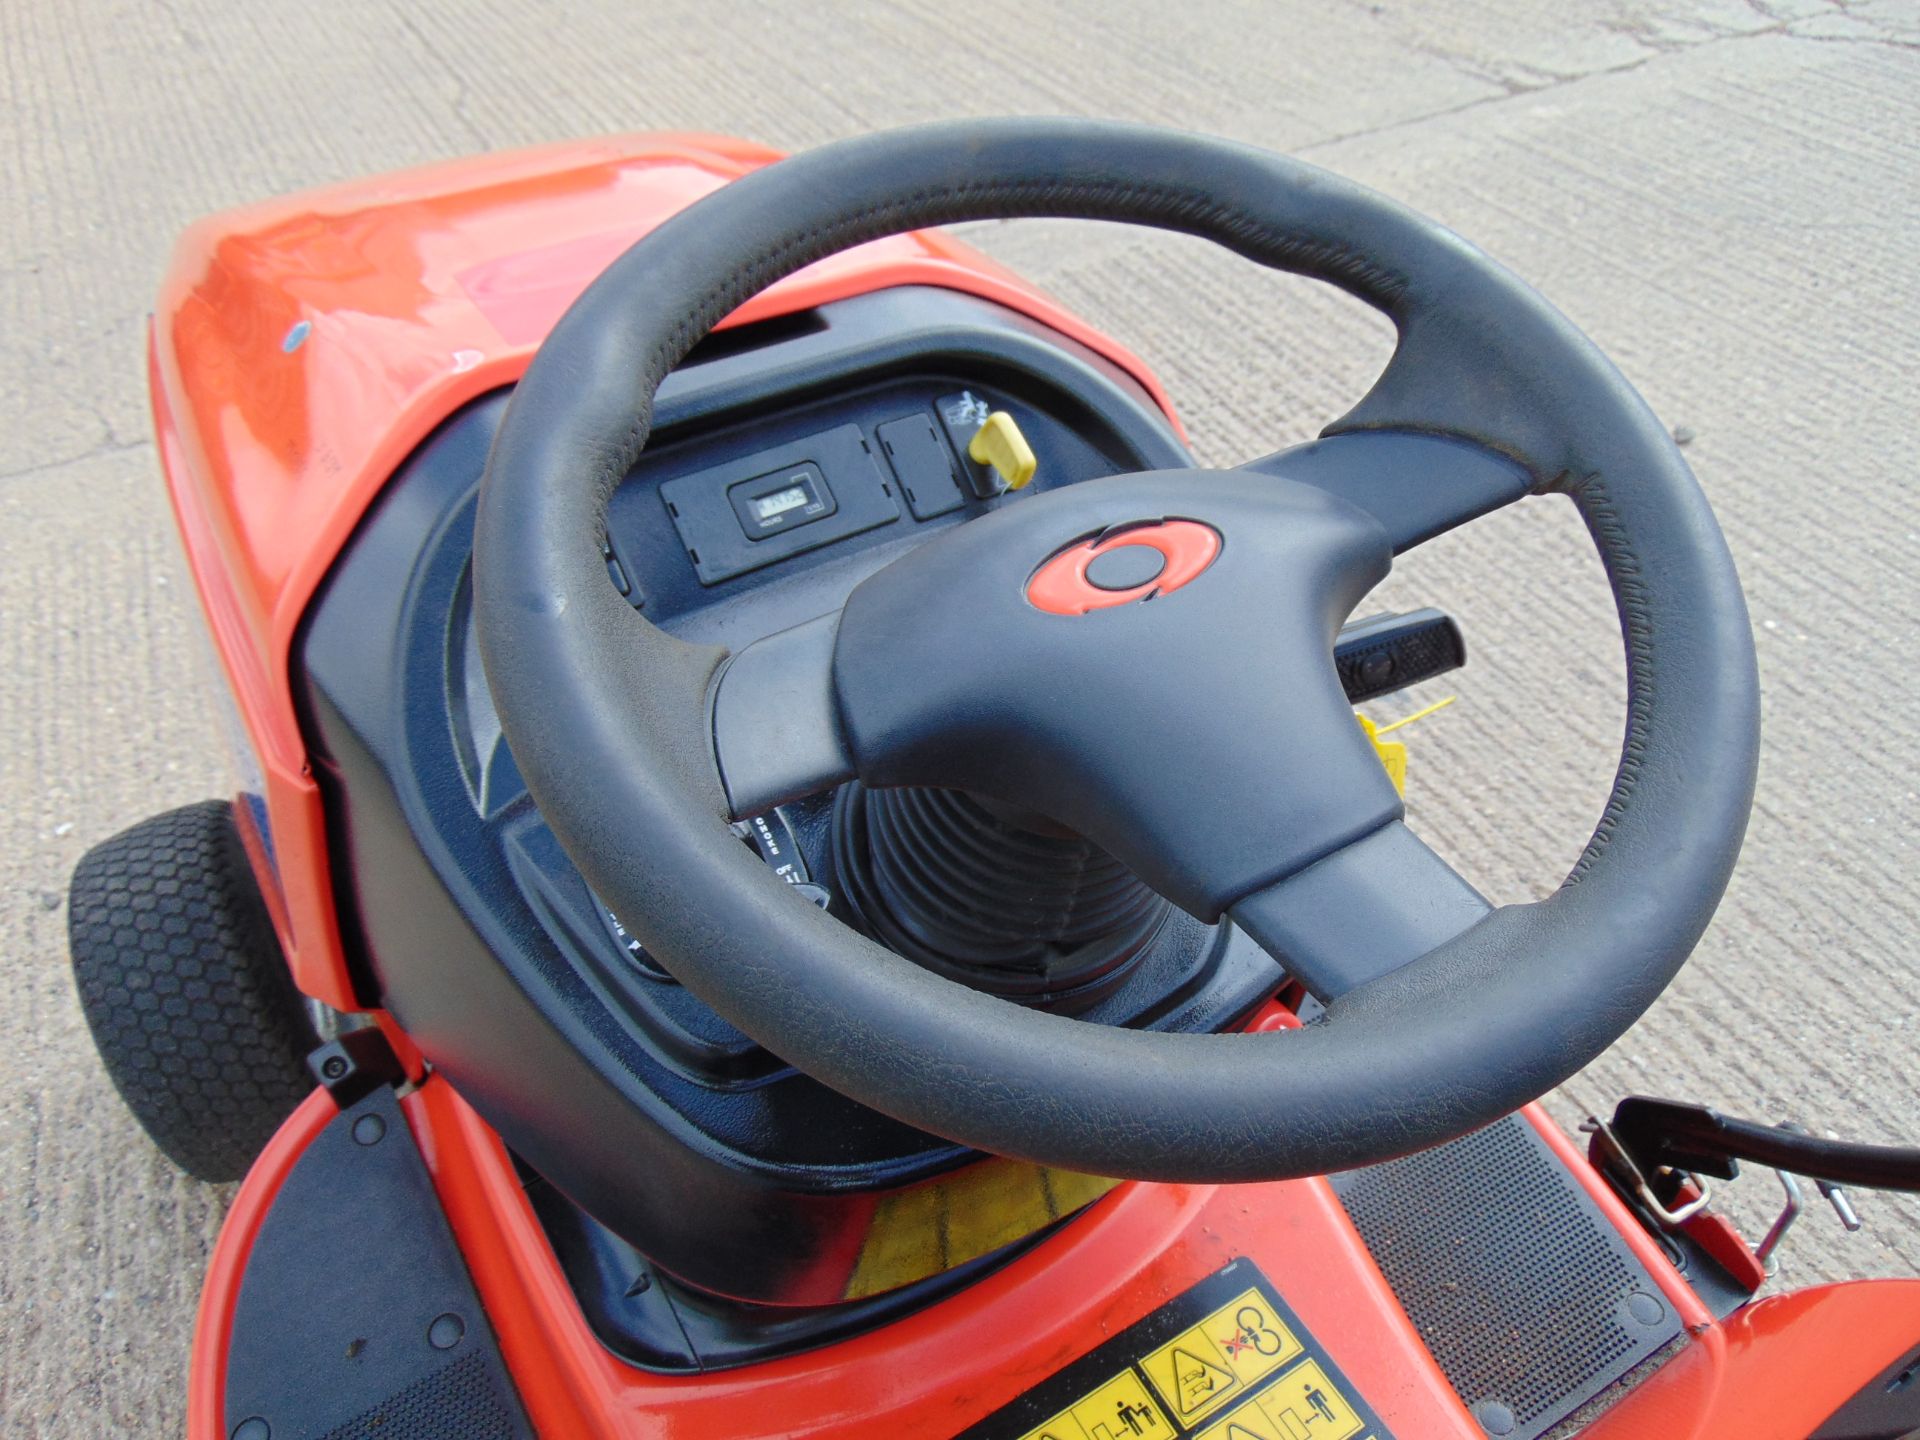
357	1319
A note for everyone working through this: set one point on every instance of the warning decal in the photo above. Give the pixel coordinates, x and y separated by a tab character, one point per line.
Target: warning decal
1303	1405
1225	1355
1118	1408
1227	1360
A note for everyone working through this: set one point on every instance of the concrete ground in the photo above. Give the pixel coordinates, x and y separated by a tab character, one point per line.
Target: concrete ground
1725	195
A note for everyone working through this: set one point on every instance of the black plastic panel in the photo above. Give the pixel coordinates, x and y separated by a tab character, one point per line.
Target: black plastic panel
356	1316
1887	1407
839	490
642	1316
923	465
699	600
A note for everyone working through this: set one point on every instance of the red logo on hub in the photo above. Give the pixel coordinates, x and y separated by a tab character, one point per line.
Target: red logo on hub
1122	566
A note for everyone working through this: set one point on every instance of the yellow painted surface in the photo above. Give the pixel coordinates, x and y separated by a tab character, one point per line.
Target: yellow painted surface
959	1217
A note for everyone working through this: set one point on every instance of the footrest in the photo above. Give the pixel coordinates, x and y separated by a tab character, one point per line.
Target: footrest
356	1319
1530	1300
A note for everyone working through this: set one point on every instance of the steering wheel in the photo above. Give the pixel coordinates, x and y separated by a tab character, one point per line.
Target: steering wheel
1191	721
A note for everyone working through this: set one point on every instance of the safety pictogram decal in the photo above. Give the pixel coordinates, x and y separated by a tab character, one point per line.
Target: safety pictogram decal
1227	1360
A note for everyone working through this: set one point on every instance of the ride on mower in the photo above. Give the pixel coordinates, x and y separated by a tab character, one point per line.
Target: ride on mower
798	869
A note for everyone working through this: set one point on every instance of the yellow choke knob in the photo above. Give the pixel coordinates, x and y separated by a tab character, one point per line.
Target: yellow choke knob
999	444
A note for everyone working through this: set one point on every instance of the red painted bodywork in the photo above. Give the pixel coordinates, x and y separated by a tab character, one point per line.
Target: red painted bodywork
300	350
419	292
220	1291
922	1378
1775	1370
1772	1371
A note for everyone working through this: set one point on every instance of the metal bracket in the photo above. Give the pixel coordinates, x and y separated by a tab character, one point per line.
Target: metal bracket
354	1064
1833	1194
1692	1139
1763	1252
1618	1164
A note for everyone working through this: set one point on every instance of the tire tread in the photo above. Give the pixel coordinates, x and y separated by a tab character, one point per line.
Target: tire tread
186	990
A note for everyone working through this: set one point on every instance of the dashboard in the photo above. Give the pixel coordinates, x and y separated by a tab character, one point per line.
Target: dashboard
791	459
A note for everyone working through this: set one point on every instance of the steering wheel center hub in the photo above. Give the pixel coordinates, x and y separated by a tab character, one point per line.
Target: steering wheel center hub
1118	567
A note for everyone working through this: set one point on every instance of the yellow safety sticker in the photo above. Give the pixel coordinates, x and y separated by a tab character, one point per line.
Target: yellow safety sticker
1226	1360
1226	1354
1121	1409
1302	1405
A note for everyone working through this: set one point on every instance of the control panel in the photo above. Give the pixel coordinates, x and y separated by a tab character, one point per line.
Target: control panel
865	470
767	506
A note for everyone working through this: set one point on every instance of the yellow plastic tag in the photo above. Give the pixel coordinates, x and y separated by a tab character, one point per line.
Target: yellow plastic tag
1393	753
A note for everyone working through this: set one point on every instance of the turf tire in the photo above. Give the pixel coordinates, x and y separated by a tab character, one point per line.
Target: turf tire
186	990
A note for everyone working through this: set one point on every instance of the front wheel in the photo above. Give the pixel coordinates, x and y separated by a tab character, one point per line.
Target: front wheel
186	990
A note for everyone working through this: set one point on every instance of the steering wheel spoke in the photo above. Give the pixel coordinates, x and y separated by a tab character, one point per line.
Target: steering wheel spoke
1362	912
1416	485
776	731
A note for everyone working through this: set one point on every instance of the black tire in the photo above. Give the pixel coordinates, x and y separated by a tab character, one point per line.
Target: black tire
186	990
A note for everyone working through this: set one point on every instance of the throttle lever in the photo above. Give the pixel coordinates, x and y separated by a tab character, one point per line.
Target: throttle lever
1385	653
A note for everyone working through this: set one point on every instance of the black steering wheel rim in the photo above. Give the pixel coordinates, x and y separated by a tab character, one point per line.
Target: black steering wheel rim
609	718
